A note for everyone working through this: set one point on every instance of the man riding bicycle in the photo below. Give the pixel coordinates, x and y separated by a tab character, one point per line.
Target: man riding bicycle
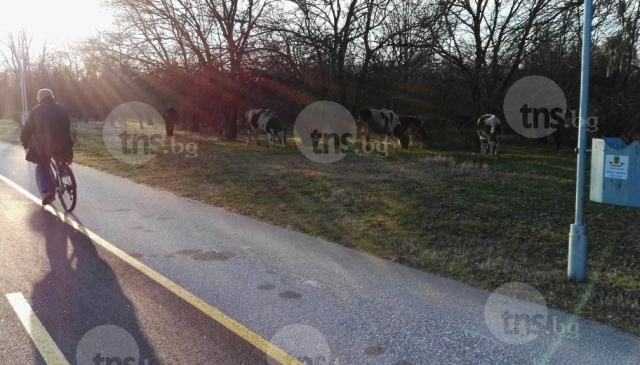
47	134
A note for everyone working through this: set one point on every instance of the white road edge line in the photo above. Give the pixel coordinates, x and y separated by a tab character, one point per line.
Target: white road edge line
41	338
23	191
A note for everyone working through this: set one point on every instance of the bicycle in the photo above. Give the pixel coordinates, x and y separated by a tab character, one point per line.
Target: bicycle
65	182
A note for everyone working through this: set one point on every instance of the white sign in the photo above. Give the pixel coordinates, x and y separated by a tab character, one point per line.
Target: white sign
616	167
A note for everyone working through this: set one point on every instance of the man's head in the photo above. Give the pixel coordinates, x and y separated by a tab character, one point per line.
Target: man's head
44	94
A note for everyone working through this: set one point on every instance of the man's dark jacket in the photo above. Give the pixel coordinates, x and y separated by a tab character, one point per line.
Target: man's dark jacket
49	125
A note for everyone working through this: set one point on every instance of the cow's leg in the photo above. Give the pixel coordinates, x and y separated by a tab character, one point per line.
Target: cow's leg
270	138
257	136
283	139
387	139
394	143
276	134
421	140
248	136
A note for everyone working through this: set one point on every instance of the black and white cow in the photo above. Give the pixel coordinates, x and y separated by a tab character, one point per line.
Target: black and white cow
383	122
489	129
414	126
264	121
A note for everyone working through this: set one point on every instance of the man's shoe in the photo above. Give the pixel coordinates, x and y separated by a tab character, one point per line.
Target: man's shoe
49	196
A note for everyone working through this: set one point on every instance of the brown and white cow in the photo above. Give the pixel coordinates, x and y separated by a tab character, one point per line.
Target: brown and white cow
489	129
264	121
384	122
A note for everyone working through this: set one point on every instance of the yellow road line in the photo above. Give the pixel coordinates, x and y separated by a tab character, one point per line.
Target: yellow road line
41	338
253	338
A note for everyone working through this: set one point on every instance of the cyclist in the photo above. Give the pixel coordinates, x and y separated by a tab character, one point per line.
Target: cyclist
47	134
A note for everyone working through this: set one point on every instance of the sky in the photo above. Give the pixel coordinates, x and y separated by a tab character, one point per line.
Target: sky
56	22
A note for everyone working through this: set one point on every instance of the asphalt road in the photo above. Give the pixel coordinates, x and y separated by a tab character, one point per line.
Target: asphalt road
304	294
74	286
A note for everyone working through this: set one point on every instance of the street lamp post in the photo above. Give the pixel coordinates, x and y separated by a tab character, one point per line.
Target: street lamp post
578	236
23	85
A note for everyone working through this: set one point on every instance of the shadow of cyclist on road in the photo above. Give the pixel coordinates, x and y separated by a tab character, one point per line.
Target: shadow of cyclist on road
81	290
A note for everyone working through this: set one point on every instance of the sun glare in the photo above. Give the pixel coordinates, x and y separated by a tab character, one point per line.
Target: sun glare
54	22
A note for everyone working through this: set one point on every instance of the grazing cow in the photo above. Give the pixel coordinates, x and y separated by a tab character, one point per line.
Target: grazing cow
414	126
384	122
489	129
264	121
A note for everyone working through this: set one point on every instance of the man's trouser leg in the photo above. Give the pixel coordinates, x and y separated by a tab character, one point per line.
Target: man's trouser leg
44	178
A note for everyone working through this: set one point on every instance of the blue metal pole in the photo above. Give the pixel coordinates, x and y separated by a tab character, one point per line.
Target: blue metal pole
578	236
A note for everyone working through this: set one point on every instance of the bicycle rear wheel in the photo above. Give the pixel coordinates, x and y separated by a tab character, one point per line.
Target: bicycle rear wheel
67	188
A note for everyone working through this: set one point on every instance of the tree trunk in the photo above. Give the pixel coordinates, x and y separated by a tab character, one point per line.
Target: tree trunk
231	130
